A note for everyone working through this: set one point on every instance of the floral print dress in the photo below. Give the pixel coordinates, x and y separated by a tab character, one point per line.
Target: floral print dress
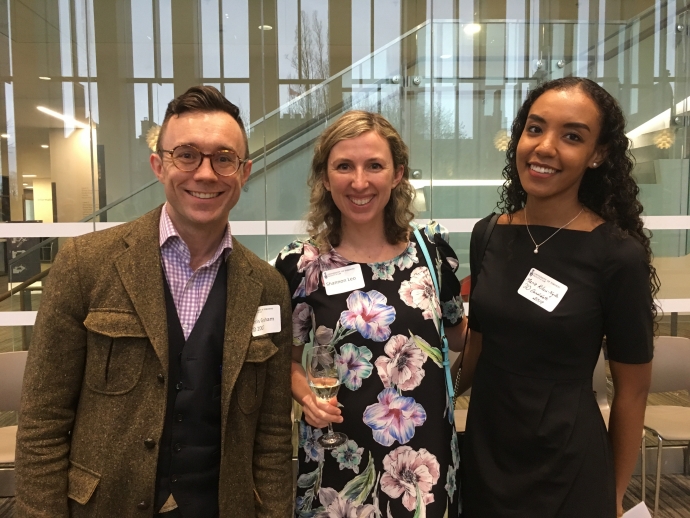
401	459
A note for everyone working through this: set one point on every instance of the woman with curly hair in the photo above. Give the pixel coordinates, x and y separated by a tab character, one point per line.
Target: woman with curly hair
567	264
384	320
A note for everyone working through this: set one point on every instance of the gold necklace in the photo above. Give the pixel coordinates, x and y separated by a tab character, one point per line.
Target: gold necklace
536	246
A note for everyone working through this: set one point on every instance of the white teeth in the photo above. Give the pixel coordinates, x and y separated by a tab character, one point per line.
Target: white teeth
543	170
204	195
361	201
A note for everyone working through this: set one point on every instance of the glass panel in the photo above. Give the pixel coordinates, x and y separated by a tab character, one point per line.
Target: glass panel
449	74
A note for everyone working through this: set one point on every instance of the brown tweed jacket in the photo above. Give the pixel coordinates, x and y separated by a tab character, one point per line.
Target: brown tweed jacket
96	383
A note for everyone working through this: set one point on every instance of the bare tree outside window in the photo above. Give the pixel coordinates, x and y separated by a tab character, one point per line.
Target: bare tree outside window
310	59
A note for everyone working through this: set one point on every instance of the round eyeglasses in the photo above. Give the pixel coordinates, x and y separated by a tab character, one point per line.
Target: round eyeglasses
224	162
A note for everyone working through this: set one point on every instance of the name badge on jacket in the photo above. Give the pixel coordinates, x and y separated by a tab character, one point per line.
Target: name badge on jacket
541	289
267	320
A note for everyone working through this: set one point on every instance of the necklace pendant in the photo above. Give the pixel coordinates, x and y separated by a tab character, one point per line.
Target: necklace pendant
536	250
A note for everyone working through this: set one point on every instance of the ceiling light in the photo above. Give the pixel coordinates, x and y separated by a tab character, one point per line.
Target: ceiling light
445	56
5	135
26	184
44	78
472	28
29	175
265	28
44	146
29	187
67	119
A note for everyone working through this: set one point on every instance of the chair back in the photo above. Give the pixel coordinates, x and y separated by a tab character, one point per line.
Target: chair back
671	364
11	375
599	383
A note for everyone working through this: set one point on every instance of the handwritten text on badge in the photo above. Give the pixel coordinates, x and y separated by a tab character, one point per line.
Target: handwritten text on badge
267	320
542	290
341	280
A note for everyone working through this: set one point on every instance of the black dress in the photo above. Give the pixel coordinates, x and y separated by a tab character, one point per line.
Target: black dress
402	455
536	444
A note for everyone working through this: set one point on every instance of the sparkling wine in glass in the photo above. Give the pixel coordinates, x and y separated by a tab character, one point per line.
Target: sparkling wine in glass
322	375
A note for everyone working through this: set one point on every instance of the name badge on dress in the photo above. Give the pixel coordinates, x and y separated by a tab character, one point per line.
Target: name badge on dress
541	289
344	279
267	320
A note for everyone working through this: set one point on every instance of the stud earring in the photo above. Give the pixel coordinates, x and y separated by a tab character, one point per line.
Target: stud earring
594	164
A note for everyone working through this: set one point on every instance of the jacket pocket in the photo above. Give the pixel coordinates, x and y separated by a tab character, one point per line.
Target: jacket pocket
250	382
115	352
81	482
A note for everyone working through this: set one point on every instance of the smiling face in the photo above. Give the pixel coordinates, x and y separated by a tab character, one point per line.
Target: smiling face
559	144
200	200
360	176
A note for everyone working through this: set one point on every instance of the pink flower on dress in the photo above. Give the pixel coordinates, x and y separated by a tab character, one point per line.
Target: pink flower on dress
301	323
406	471
368	314
312	264
394	417
338	507
403	365
419	292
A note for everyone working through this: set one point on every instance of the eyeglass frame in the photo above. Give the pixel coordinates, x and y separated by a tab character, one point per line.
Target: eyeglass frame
201	161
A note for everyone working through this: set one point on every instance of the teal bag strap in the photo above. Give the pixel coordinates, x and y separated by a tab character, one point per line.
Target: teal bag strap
444	340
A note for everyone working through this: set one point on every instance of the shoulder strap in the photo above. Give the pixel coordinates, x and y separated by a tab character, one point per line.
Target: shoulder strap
442	333
479	257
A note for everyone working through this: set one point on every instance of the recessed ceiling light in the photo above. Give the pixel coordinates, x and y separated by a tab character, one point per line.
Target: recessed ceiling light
44	78
445	56
29	175
5	135
44	146
265	28
30	187
472	28
26	184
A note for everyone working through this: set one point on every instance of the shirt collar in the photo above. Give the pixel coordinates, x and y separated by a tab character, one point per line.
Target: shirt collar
169	236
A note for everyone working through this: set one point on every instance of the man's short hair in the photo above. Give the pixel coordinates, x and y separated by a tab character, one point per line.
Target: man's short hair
202	99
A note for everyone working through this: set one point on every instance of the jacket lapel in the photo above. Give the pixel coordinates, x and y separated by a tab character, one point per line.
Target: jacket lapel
243	299
141	273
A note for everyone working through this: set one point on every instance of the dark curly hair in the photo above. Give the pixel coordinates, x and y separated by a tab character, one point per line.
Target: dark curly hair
609	190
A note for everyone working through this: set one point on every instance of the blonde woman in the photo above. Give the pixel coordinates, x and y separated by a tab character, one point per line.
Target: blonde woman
383	319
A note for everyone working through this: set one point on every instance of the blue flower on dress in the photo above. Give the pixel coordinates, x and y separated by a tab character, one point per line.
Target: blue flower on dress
394	417
432	228
382	271
452	310
408	257
348	455
368	314
455	451
353	365
292	248
308	440
451	483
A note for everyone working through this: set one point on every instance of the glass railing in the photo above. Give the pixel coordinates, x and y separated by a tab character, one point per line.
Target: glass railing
452	89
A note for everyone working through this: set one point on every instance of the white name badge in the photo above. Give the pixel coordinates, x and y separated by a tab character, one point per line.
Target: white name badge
639	511
541	289
341	280
267	320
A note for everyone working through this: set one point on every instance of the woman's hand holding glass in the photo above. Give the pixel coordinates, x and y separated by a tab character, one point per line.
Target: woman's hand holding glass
324	381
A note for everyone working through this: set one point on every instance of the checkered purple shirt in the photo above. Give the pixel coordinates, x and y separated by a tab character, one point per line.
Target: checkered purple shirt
189	288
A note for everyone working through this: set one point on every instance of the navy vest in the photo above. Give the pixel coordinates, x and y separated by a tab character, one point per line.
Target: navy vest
189	454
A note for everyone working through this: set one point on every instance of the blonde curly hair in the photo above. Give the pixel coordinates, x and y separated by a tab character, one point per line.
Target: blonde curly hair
324	218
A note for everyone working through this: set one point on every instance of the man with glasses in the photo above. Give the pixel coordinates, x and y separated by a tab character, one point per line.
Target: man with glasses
158	378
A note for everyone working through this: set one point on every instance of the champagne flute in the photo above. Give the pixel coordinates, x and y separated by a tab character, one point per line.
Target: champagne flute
324	381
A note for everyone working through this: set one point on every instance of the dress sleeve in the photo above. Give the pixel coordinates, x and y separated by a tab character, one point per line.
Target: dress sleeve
451	303
475	242
627	300
302	313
